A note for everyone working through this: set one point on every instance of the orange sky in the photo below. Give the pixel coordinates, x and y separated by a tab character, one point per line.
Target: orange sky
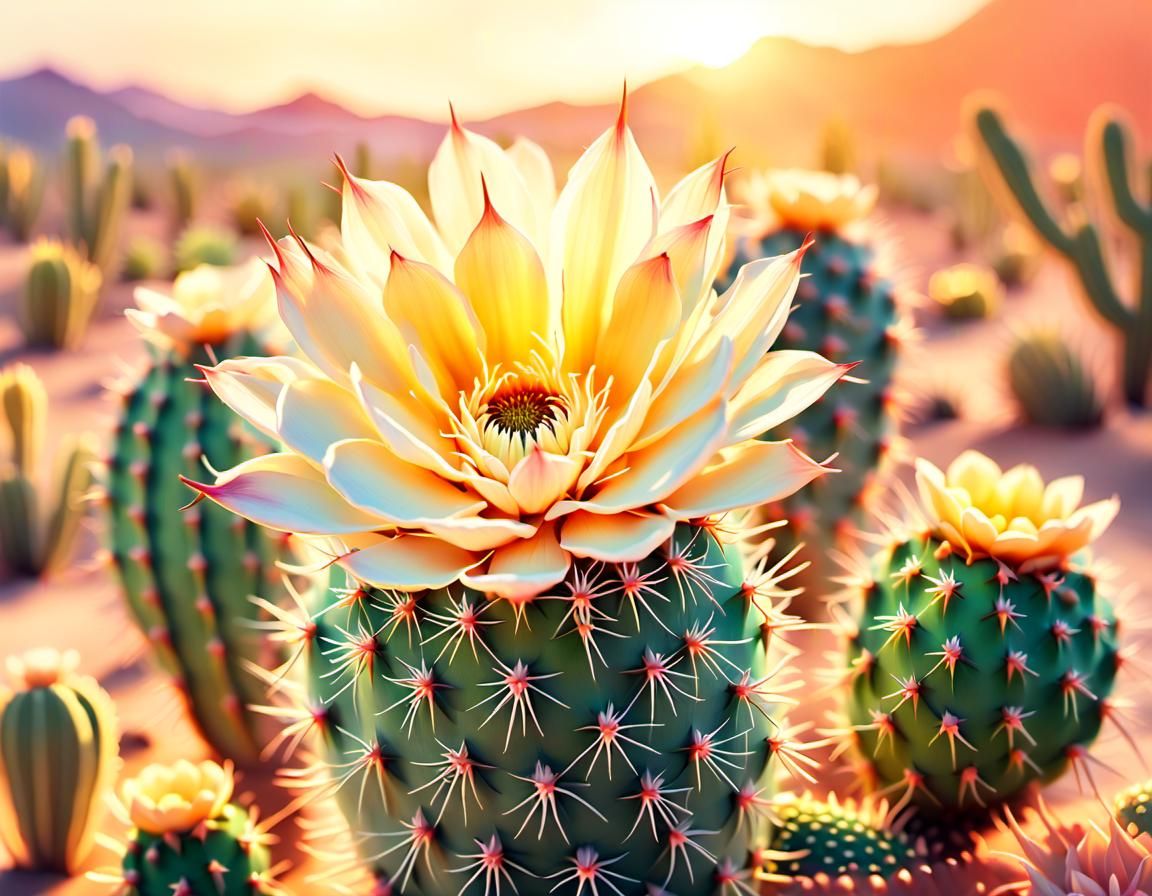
488	56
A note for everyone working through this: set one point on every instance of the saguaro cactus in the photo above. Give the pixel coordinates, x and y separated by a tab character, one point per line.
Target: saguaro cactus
1078	239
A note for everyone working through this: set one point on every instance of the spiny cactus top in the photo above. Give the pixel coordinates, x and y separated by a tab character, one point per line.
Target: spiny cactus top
206	305
982	655
525	383
1010	516
1131	808
810	200
1084	860
166	799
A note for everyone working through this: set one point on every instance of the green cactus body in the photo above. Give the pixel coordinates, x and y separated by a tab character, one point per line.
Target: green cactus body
846	312
60	296
23	193
970	680
616	735
58	759
225	858
1050	384
97	206
189	576
1133	809
185	194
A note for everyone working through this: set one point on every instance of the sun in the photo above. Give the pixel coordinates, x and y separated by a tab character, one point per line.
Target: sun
715	39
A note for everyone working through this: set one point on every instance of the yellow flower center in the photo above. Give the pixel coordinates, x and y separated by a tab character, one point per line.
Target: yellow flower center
522	410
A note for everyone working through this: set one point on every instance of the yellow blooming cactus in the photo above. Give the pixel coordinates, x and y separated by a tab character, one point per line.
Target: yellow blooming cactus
206	305
165	799
521	427
187	837
1012	516
523	384
809	200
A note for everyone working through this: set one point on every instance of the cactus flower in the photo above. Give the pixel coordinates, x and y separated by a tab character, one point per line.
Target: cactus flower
526	382
1011	516
809	200
175	798
206	305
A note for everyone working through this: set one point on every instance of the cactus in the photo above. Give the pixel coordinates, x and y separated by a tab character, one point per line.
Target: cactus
250	206
1016	256
1078	239
185	191
966	292
144	259
97	207
364	165
58	759
981	655
204	245
188	577
23	192
60	296
188	839
1130	808
847	310
38	537
837	147
1050	385
976	217
635	730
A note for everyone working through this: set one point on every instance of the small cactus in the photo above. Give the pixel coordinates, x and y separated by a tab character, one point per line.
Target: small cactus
204	245
966	291
23	192
60	296
1050	385
982	654
37	536
188	839
249	206
837	147
185	191
97	206
1131	809
58	760
1016	256
144	259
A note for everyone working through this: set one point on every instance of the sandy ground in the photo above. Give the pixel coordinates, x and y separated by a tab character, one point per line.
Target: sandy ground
82	610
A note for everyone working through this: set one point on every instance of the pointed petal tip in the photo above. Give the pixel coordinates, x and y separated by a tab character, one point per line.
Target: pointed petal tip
622	117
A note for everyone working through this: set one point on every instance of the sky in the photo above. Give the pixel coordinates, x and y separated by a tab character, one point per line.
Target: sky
487	56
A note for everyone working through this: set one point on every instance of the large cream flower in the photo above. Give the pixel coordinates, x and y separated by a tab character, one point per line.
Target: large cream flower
207	305
531	380
1012	516
166	799
809	200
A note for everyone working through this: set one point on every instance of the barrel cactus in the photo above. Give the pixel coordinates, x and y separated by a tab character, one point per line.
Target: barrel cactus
189	577
847	310
549	668
982	655
1050	384
966	291
59	753
188	839
60	296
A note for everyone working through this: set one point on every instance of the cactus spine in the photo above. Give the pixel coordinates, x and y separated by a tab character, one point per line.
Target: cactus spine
98	206
60	296
1075	237
58	759
30	543
619	733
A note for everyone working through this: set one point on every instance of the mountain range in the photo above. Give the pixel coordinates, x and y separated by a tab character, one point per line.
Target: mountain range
1052	61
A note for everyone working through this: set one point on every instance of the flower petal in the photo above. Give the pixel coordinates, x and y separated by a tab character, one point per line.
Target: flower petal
536	169
286	493
782	385
474	533
312	414
541	478
747	475
523	568
252	386
409	563
619	538
371	477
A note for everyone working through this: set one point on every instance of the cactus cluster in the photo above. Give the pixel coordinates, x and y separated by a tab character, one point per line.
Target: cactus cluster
188	839
1072	232
37	530
620	729
847	310
60	296
189	577
59	753
981	655
98	202
1050	385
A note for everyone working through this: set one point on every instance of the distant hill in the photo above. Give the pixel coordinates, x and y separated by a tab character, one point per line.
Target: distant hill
1052	61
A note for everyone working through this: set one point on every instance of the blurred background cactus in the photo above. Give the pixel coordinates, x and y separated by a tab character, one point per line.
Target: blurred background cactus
97	201
60	296
966	291
1076	235
838	147
249	205
59	754
185	195
1050	385
204	244
38	525
144	259
21	191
